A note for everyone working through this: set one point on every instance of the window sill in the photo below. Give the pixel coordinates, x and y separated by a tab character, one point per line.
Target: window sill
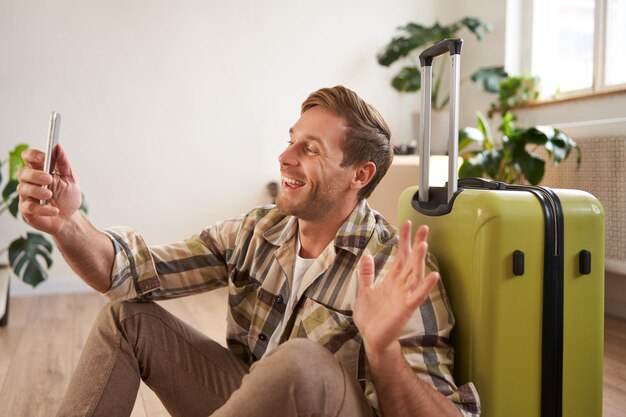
582	97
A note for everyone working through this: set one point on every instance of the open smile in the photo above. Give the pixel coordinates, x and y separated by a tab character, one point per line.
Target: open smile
292	183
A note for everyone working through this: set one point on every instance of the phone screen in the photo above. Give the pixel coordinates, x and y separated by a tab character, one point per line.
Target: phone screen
51	147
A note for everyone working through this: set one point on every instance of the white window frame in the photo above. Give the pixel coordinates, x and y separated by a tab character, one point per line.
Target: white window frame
519	36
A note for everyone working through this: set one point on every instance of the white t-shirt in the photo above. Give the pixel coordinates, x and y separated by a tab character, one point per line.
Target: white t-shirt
300	266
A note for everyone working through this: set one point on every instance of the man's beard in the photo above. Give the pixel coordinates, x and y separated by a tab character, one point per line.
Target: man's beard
317	204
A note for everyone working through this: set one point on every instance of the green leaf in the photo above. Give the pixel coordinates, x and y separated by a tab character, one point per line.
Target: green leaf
83	204
471	167
537	134
410	37
548	131
492	160
477	26
46	256
34	274
409	79
9	190
14	206
508	126
469	135
532	167
9	195
28	252
561	139
490	78
483	126
516	91
560	146
15	160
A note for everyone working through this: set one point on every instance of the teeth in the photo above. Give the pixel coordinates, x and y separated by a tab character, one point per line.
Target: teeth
292	181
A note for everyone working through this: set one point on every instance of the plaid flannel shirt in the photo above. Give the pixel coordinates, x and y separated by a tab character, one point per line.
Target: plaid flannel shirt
253	255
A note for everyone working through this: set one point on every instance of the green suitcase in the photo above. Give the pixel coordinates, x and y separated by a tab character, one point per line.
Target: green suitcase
524	270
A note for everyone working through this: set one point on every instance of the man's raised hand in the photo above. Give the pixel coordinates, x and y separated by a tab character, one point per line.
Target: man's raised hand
381	312
63	194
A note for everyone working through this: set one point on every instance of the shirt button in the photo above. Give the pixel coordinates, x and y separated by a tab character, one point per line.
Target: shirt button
262	337
279	299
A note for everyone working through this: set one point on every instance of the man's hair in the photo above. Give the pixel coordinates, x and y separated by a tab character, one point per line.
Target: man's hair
367	138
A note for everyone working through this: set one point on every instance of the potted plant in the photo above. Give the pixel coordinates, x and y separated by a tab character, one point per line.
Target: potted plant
29	255
511	158
513	91
408	43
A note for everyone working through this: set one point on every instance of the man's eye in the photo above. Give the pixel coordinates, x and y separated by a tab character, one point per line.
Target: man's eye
309	150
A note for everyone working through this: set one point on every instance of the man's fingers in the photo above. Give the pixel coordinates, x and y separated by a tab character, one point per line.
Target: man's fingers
404	248
34	158
414	268
417	295
34	176
421	235
37	192
405	237
416	255
63	162
366	272
30	207
420	261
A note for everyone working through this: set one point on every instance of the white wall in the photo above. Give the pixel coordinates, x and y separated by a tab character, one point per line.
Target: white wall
174	112
476	54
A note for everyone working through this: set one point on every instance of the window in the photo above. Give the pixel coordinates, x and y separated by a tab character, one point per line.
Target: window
616	43
576	46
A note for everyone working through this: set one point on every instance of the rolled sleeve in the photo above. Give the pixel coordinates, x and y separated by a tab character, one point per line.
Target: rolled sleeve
134	273
188	267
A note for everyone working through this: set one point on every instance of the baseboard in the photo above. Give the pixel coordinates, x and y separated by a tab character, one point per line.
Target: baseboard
50	286
615	294
616	308
616	267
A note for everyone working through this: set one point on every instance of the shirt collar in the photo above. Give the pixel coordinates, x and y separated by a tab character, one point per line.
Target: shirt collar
357	230
282	231
352	236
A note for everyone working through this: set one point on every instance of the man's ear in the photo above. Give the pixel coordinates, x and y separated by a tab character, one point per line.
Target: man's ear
363	175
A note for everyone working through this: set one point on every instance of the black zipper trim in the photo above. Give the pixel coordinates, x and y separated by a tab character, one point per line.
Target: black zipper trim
553	292
552	323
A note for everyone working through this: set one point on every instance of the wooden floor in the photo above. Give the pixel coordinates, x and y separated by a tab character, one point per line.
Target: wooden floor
45	335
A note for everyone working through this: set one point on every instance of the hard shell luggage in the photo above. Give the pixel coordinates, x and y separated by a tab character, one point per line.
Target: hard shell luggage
524	270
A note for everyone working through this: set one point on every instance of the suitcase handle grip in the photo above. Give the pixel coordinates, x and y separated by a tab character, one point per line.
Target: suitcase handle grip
447	45
426	58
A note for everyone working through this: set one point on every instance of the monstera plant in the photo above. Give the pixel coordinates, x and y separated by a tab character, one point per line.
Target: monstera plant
29	254
512	156
413	38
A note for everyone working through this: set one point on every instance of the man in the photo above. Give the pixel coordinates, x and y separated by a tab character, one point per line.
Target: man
309	334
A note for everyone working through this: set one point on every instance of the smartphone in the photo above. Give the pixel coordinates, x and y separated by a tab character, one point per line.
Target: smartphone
51	146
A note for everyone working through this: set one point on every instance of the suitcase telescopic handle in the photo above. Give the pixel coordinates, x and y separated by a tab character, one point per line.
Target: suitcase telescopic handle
453	46
447	45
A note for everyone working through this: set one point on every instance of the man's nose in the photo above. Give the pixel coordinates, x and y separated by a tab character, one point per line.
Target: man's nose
289	157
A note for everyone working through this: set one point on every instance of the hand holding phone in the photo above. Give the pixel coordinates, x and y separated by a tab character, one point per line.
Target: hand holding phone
51	147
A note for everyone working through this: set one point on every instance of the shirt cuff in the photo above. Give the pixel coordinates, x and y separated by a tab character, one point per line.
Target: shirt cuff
134	273
468	400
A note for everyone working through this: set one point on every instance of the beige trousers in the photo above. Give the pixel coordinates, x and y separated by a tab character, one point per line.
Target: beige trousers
195	376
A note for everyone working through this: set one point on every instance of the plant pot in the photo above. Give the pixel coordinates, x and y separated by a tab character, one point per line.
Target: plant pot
439	127
5	281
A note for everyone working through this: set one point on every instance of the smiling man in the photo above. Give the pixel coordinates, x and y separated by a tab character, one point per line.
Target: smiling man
332	312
